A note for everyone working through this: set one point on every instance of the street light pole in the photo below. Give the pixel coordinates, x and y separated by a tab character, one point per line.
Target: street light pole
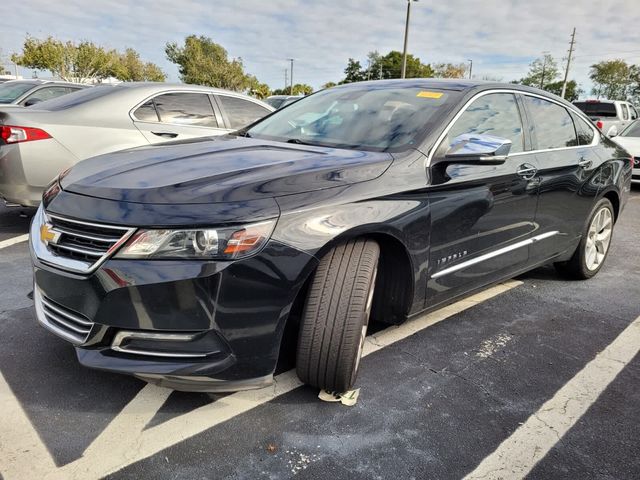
406	39
291	90
470	67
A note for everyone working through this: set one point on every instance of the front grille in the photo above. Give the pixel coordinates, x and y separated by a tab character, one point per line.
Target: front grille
80	246
62	321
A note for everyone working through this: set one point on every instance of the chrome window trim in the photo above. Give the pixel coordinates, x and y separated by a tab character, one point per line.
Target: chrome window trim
76	266
495	253
203	92
578	112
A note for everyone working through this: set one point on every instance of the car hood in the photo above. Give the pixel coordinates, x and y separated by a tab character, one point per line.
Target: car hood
223	169
630	144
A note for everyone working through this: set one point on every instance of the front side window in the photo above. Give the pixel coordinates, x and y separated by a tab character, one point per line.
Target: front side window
189	109
583	129
367	117
241	112
553	125
496	114
633	113
633	130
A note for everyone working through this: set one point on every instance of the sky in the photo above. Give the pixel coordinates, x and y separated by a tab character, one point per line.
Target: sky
501	36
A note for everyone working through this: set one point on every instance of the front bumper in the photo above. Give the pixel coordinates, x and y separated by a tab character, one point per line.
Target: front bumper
221	323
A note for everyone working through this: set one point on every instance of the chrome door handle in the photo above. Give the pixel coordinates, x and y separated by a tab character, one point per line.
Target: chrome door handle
527	171
584	163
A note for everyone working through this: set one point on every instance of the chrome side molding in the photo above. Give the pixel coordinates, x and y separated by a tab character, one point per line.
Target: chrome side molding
495	253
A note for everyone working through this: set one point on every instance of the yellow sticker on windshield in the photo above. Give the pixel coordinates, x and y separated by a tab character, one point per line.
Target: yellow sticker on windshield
425	94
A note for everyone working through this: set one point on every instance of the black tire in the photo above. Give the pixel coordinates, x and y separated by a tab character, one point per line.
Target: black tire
336	315
576	268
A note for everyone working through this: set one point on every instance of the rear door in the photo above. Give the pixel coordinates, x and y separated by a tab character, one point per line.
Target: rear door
239	112
178	116
482	215
566	172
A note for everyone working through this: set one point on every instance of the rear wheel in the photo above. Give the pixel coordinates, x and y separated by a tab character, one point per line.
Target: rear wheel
336	314
592	251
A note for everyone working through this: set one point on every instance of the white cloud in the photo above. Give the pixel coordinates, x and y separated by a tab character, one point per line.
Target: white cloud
501	36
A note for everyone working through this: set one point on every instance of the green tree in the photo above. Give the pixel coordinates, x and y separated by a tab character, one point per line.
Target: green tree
390	66
572	93
260	90
84	61
542	71
80	62
329	85
450	70
202	61
302	89
612	79
353	72
128	67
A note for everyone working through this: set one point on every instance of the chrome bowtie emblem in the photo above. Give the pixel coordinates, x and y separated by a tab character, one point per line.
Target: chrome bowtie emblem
48	234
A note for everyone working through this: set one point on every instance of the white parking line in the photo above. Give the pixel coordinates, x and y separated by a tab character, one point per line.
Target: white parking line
22	453
14	240
130	443
518	454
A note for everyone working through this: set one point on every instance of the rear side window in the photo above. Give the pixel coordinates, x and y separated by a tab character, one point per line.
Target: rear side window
625	111
189	109
584	131
495	114
597	109
241	112
553	125
146	112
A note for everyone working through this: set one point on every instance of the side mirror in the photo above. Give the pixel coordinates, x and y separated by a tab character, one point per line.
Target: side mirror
32	101
478	148
613	131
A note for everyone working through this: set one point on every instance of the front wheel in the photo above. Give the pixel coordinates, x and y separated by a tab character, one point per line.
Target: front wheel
336	314
592	251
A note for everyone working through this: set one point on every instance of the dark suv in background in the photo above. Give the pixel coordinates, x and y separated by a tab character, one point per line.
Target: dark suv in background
185	263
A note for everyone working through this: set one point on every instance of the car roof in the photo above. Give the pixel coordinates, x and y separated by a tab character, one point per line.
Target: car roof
39	81
453	84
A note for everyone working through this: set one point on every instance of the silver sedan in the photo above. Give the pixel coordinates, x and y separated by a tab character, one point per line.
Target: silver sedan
39	142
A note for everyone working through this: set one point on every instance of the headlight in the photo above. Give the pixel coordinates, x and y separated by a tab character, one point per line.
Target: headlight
226	243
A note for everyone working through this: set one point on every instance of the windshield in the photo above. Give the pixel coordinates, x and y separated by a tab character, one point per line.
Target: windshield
275	102
10	91
597	109
76	98
367	118
633	130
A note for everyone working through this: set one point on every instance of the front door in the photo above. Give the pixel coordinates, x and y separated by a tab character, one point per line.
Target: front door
178	116
482	215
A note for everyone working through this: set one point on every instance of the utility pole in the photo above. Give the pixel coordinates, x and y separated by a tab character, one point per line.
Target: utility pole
286	79
470	67
406	39
566	71
291	90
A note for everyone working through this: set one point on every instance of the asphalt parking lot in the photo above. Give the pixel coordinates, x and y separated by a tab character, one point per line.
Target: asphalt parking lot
507	384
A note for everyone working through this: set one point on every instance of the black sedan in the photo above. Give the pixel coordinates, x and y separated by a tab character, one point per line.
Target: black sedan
185	264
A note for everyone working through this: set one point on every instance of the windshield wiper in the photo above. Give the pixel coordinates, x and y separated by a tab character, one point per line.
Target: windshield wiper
242	133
